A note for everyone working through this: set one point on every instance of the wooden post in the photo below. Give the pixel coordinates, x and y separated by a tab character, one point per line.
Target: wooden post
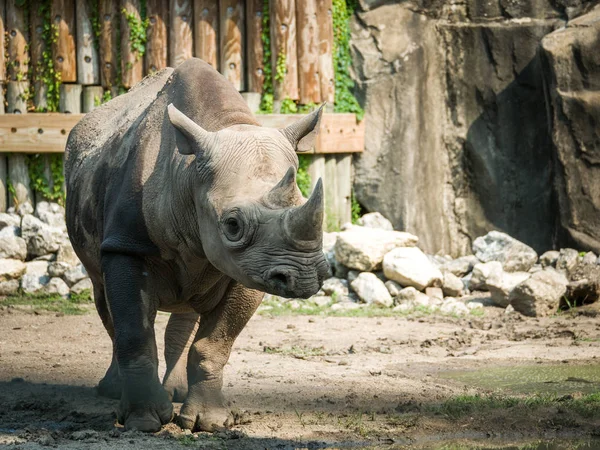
18	172
326	70
109	27
283	47
70	98
3	166
37	47
92	96
3	30
180	34
63	50
343	184
308	51
254	28
156	35
18	40
232	41
88	71
332	219
206	31
131	63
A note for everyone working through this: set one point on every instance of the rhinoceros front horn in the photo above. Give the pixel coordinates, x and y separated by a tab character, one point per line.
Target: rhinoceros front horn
305	223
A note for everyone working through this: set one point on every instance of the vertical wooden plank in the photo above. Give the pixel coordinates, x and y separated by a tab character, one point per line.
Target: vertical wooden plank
180	33
18	173
3	167
232	41
332	219
36	49
343	184
308	51
206	31
254	28
3	30
92	96
156	34
63	50
131	63
70	98
109	27
283	48
87	56
18	41
326	70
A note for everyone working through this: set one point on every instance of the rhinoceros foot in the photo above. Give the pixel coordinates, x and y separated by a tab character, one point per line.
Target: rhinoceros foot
147	415
210	413
176	387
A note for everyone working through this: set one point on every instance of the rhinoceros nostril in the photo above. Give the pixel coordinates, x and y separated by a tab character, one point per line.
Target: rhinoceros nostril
280	279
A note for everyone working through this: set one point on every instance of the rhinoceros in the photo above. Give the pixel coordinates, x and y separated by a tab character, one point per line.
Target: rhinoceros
179	201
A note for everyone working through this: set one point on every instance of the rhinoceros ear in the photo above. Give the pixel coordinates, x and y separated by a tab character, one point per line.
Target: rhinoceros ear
302	133
191	138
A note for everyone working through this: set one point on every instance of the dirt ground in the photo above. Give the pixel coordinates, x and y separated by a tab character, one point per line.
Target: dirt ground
301	381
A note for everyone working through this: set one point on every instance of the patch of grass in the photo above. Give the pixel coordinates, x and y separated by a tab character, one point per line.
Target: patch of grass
50	302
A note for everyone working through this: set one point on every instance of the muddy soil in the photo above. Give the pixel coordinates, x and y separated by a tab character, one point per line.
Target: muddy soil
299	381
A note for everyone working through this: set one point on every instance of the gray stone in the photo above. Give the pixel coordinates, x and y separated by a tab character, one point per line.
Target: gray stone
572	80
393	287
57	286
549	258
9	287
66	254
540	295
568	258
584	286
452	285
363	248
41	238
412	296
496	246
454	307
500	285
481	273
75	274
352	275
10	231
35	277
9	220
371	290
58	269
318	300
410	267
589	258
335	286
375	220
11	269
13	247
434	292
345	306
460	266
24	208
82	285
51	214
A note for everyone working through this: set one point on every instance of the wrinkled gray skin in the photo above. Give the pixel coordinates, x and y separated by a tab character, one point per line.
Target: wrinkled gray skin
178	201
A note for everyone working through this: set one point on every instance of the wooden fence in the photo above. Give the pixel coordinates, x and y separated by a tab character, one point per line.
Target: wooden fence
82	52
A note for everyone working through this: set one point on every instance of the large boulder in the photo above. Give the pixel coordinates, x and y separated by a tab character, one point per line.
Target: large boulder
572	78
371	289
539	295
11	269
13	247
41	238
409	266
363	248
35	277
481	273
452	285
9	220
496	246
500	284
51	214
584	286
460	266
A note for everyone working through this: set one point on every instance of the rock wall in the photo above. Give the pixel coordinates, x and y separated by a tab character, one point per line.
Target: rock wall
457	140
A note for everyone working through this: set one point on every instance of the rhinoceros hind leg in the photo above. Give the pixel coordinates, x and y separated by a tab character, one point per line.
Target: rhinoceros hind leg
179	337
205	408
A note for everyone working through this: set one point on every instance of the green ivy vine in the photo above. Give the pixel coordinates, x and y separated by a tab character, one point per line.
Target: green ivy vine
137	31
49	191
47	74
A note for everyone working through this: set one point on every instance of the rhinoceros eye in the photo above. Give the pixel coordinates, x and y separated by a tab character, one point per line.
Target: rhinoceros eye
236	228
233	228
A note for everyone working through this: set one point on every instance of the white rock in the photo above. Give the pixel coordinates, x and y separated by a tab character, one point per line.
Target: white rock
57	286
371	290
567	259
13	247
35	277
9	287
11	269
363	248
9	220
10	231
410	267
589	258
481	272
393	287
412	296
540	295
434	293
500	284
58	269
549	258
453	306
75	274
344	306
452	285
337	286
404	307
375	220
51	213
41	238
514	255
66	254
317	300
460	266
23	209
474	305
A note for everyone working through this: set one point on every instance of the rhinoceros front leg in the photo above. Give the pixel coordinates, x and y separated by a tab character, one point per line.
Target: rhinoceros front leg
144	404
179	336
205	408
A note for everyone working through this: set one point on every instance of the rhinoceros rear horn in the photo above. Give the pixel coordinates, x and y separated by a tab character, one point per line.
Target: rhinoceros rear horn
305	223
284	192
191	138
302	133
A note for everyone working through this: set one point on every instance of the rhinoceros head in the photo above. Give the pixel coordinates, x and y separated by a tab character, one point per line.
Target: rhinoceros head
254	224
